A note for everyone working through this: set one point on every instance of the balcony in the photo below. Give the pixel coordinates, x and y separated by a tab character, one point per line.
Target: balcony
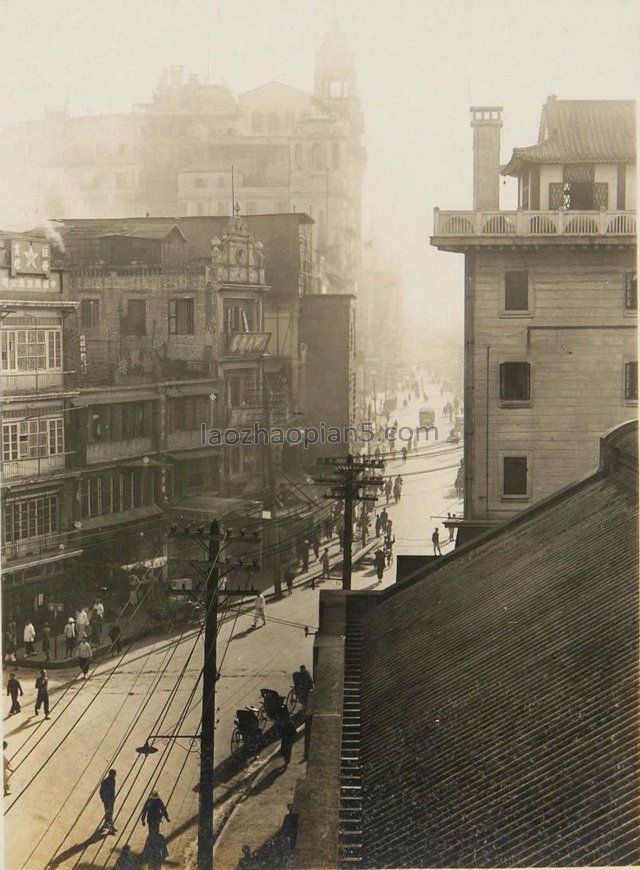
247	344
43	383
107	451
29	468
535	225
38	547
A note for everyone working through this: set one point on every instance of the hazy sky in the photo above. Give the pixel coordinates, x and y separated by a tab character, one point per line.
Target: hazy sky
420	64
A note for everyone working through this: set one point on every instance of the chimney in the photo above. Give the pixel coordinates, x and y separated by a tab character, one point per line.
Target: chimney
486	122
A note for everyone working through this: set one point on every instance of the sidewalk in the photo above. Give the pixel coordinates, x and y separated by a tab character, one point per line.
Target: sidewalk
262	823
140	627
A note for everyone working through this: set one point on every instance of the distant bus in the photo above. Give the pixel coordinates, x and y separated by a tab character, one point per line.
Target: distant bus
426	417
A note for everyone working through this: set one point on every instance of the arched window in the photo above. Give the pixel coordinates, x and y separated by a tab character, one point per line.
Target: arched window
317	157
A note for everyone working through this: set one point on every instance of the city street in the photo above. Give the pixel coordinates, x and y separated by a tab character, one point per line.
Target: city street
154	690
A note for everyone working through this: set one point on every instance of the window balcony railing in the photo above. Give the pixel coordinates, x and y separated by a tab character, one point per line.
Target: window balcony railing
534	223
247	343
39	546
25	468
21	383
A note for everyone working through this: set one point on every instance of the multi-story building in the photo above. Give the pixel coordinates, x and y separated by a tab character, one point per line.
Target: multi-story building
550	302
39	542
289	150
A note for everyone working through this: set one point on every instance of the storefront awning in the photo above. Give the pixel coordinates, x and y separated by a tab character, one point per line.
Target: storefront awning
200	507
198	453
124	518
86	400
192	390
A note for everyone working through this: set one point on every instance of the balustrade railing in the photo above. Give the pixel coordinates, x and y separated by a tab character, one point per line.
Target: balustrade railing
534	223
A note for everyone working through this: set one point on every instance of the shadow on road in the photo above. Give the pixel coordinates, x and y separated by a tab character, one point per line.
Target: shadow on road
96	837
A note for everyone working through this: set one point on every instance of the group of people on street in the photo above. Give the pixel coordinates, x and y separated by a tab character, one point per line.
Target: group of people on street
85	626
15	692
154	812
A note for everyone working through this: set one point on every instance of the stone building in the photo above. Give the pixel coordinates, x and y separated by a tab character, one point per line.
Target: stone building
39	542
550	302
290	151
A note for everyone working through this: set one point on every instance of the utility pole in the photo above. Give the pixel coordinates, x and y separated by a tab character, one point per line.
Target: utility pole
271	489
349	484
209	676
209	571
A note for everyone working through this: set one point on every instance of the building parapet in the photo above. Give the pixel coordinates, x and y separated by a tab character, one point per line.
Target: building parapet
464	224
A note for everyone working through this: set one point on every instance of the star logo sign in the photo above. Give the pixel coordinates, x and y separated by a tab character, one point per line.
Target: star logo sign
31	257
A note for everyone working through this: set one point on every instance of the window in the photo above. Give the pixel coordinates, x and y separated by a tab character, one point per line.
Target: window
120	422
236	319
297	156
90	313
317	157
116	492
257	121
32	439
514	476
515	382
189	413
31	517
336	156
631	381
621	187
199	182
31	350
578	190
631	291
135	321
516	291
181	317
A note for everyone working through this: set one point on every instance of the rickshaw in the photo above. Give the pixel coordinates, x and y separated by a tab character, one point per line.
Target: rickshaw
247	731
273	707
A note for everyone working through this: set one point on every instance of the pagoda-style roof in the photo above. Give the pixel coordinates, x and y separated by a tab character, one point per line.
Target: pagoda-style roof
581	131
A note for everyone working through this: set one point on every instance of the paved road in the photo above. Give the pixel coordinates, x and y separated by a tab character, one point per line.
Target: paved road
98	723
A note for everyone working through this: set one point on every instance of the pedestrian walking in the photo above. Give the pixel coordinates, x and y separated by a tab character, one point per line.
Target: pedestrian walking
29	636
9	646
153	812
82	623
384	520
435	539
315	543
7	770
387	490
108	798
404	455
288	579
379	561
70	636
304	548
378	525
259	607
451	529
42	694
397	490
84	656
46	641
287	739
303	684
324	562
115	634
14	689
155	851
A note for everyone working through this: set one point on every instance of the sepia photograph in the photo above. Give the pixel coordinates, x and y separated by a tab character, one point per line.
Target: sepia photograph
319	398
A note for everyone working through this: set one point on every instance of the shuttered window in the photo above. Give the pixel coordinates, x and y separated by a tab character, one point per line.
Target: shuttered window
181	317
514	475
631	381
516	291
631	291
515	382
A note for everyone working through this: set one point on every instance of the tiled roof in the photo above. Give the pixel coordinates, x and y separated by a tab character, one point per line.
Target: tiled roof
499	694
581	131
